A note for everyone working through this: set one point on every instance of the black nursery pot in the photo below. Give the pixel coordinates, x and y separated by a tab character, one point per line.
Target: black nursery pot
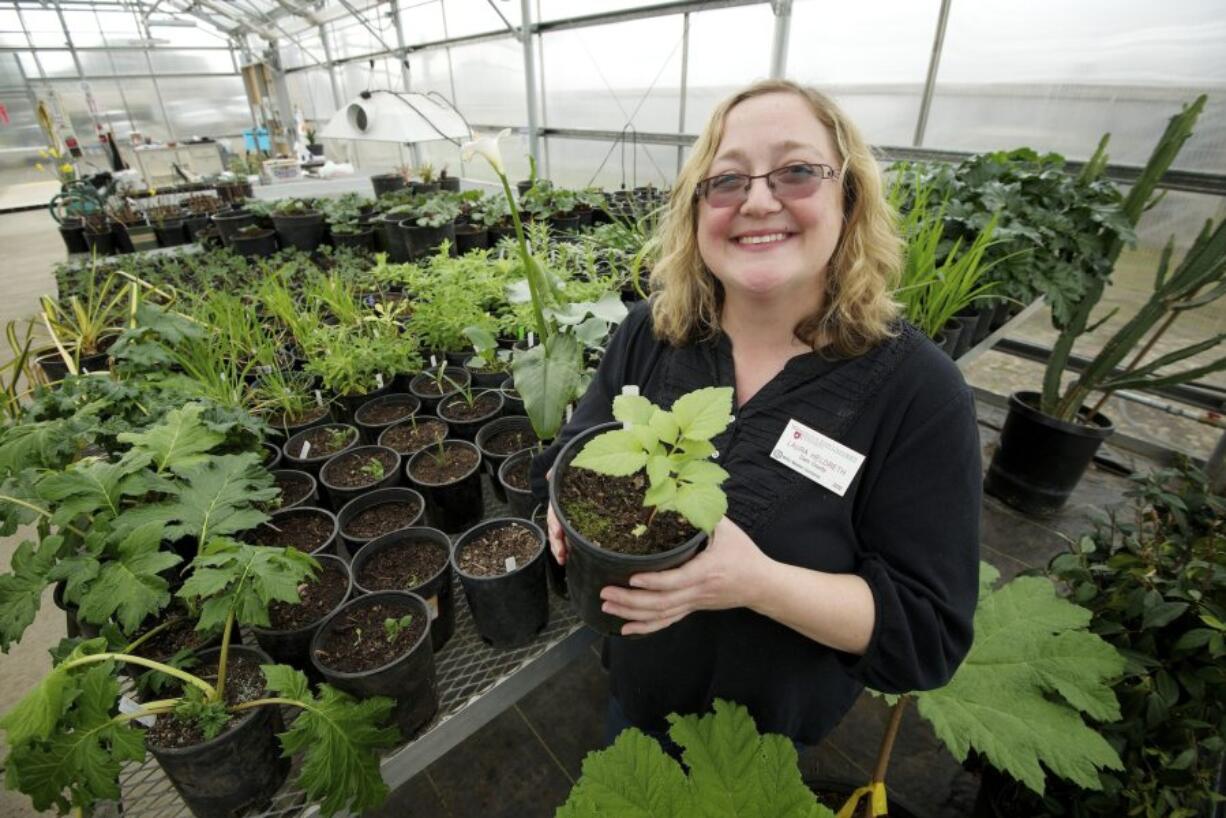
409	679
512	403
393	238
966	334
436	590
471	237
371	429
554	570
292	450
340	495
486	378
349	544
590	567
293	647
319	416
310	498
456	505
510	609
72	231
101	243
170	233
192	226
947	339
493	460
53	365
350	404
429	400
228	224
239	770
362	240
424	241
279	518
1040	459
259	245
272	456
304	231
466	429
519	502
386	183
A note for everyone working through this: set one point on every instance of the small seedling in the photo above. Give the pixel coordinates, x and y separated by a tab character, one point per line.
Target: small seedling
393	627
673	447
337	438
357	636
373	469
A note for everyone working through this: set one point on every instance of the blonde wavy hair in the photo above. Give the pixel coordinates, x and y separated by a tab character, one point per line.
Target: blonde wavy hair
858	310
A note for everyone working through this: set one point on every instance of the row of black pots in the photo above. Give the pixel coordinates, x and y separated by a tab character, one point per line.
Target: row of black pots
384	183
119	238
967	328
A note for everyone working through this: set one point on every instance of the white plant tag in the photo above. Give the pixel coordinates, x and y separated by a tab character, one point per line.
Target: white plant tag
630	389
129	705
511	565
570	411
306	450
823	460
432	605
319	399
379	379
84	370
433	360
531	340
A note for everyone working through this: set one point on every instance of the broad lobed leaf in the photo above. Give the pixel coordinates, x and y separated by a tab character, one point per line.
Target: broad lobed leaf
616	453
704	413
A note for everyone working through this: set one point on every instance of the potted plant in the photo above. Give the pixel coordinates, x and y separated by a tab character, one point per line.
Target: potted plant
99	235
215	739
384	183
501	564
229	223
417	560
375	513
448	475
498	440
468	411
309	529
287	401
639	494
428	184
254	241
352	473
295	488
410	437
380	413
433	386
298	224
313	146
309	449
132	233
292	625
167	221
1049	438
431	223
84	327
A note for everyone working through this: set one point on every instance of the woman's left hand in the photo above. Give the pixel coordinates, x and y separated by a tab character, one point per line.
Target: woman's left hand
728	574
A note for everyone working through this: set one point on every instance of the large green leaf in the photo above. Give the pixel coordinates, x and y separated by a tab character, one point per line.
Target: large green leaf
616	453
21	590
340	738
702	505
128	587
36	715
703	413
232	576
733	773
91	487
547	376
1019	696
181	440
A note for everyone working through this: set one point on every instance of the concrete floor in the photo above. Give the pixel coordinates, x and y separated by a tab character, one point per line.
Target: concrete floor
524	762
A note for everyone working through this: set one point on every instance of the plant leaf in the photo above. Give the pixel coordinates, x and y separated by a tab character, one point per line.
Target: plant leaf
21	591
702	472
664	425
233	576
634	410
340	738
616	453
702	505
179	441
704	413
128	587
547	376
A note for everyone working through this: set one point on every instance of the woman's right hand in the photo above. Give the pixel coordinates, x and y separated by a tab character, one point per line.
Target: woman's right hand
557	537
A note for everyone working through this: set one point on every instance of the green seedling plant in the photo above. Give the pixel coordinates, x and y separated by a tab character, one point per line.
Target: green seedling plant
373	469
393	627
674	448
486	354
78	324
338	438
67	748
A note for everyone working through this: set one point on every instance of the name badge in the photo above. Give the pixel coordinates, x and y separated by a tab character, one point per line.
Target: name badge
823	460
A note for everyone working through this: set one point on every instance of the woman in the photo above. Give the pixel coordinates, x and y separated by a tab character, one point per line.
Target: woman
779	255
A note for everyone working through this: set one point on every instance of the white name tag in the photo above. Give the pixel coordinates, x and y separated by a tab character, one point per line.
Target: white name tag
823	460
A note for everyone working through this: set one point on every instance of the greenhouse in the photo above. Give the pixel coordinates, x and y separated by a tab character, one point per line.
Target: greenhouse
482	408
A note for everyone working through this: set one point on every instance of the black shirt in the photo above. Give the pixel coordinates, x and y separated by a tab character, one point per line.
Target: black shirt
908	524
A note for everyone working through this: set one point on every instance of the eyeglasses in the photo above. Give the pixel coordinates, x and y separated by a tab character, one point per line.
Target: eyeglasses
795	181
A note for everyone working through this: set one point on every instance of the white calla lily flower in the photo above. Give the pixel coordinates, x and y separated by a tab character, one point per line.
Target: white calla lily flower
487	146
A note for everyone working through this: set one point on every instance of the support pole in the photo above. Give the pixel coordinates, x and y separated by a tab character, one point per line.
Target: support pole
685	71
934	64
525	32
336	86
779	48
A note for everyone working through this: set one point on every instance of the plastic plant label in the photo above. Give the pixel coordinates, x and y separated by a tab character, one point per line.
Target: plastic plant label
433	360
129	705
319	399
84	370
379	379
630	389
511	564
823	460
432	606
306	450
570	411
531	340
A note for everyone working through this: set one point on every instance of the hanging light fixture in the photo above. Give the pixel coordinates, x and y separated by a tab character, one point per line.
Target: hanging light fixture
398	116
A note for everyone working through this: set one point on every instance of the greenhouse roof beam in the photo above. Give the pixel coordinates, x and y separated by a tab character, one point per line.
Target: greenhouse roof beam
643	13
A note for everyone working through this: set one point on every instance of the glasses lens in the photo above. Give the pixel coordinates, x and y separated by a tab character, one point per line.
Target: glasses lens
726	190
795	181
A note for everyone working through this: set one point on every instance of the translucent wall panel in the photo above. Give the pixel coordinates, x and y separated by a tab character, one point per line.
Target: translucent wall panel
871	56
109	103
352	39
357	77
556	9
22	130
113	61
728	50
198	61
206	106
421	22
202	36
609	76
43	27
10	73
477	16
308	50
1056	76
311	91
430	71
55	64
489	82
583	162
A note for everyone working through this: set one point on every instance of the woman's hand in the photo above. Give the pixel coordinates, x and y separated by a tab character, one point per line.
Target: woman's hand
557	537
729	573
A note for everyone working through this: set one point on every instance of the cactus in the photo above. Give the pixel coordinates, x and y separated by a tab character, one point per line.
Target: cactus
1205	263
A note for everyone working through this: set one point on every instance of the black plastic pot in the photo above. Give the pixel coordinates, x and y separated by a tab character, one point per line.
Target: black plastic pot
272	455
510	609
347	405
512	403
102	244
467	429
73	626
429	400
519	502
435	590
228	224
409	679
361	240
311	498
315	149
340	495
278	519
470	237
293	647
424	241
288	430
554	570
1040	459
405	455
493	460
451	183
170	233
947	339
349	545
983	320
72	231
372	430
192	225
590	567
239	770
454	506
485	378
393	238
565	224
304	231
966	334
1000	314
257	245
292	450
52	364
386	183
